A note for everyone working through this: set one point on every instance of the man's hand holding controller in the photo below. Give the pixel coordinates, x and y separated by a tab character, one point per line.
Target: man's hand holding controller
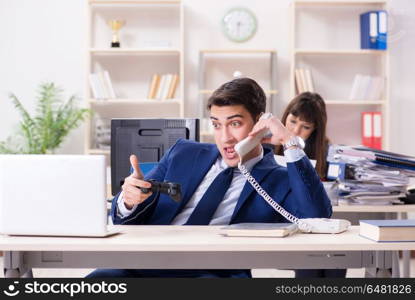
131	194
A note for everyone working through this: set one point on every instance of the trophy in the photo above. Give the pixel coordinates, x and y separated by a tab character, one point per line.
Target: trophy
115	27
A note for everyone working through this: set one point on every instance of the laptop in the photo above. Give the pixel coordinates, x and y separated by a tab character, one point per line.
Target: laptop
53	195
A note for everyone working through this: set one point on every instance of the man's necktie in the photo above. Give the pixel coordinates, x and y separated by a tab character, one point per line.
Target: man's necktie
204	210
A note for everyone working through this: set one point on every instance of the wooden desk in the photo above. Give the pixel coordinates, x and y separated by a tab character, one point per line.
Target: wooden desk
400	210
375	208
193	247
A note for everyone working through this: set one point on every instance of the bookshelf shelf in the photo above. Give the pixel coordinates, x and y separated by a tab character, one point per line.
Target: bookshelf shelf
121	2
98	151
339	2
338	52
330	59
354	102
134	101
151	44
136	51
236	51
208	92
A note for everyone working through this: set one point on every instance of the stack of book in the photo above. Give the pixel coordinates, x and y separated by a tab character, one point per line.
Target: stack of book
366	87
303	81
163	86
367	176
388	230
101	85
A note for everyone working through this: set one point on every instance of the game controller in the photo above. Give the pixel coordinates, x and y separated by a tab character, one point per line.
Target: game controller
170	188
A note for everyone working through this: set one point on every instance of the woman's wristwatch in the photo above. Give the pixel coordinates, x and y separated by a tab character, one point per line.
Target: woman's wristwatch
294	141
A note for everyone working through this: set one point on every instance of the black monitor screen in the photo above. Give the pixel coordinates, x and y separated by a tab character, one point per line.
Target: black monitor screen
148	139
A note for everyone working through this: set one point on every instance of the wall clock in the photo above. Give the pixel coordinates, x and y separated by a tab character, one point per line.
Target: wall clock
239	24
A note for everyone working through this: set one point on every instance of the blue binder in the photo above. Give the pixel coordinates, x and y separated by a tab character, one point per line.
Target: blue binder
340	170
373	30
369	30
382	30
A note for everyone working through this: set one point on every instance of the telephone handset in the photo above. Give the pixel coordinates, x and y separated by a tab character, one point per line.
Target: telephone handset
313	225
249	143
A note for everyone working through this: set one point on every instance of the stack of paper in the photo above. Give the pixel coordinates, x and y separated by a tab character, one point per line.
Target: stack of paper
363	177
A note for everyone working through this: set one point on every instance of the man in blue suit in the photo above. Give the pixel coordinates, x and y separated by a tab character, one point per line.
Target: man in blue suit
206	169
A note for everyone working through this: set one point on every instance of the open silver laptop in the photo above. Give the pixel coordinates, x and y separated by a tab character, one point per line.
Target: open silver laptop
53	195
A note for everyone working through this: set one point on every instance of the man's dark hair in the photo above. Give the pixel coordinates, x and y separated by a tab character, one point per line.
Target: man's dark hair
240	91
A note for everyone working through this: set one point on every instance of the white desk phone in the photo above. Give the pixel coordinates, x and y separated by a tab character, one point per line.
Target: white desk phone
312	225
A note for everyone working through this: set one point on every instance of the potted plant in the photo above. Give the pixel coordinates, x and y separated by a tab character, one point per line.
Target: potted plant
44	131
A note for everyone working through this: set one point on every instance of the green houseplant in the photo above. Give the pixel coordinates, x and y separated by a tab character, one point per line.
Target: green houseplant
44	131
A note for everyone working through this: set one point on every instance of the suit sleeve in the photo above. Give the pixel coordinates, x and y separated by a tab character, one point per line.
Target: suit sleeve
144	210
307	198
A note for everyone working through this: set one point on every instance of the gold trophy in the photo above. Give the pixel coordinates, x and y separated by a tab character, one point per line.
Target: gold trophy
115	27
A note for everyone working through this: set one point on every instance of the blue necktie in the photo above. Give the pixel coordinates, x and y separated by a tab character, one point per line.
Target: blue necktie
204	210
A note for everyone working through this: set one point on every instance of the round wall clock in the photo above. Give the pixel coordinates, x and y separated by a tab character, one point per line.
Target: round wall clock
239	24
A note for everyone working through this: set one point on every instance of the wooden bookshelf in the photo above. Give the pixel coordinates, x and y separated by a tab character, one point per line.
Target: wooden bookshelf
334	62
147	47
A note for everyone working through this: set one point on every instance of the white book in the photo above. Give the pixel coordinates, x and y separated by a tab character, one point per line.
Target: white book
298	82
309	80
109	86
367	87
355	87
161	87
94	87
166	87
102	85
303	80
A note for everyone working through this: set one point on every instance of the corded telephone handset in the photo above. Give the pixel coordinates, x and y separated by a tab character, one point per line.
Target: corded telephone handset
313	225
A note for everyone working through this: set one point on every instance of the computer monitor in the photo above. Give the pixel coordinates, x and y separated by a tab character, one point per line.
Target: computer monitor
149	139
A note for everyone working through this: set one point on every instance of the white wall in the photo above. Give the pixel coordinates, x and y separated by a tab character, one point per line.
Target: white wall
403	77
44	40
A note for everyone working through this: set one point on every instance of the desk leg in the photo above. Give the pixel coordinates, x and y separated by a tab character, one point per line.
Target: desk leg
14	266
11	273
406	263
406	254
383	265
395	265
28	274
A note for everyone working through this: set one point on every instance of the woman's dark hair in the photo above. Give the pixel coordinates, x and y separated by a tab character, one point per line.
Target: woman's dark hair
240	91
310	107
